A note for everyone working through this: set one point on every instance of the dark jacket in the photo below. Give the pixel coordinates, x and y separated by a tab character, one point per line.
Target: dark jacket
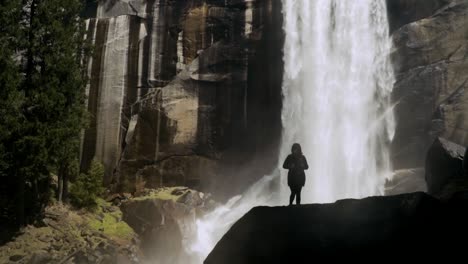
296	166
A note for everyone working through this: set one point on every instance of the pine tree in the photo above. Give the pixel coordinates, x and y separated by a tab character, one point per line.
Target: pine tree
11	100
88	187
43	102
10	97
61	52
56	46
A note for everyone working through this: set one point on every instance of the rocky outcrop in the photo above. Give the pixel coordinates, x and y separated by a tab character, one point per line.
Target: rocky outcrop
111	90
161	218
406	181
174	80
431	64
444	163
74	237
402	12
393	227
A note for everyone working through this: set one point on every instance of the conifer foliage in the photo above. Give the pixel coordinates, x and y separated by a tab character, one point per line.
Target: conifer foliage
87	187
42	99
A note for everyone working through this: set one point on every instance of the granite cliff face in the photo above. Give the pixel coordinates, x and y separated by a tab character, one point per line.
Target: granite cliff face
183	91
431	63
174	94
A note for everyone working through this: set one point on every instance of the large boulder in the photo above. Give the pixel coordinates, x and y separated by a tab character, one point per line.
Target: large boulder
161	218
170	137
444	162
431	78
390	228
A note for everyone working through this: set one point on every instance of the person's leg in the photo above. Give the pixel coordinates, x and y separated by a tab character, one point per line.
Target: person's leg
298	195
291	197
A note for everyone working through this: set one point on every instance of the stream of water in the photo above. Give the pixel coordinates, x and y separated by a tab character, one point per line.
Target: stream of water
337	84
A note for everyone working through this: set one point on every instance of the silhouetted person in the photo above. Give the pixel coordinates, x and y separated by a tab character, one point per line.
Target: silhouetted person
296	163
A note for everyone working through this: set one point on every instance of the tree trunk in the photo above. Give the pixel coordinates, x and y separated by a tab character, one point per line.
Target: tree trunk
62	171
60	187
29	53
65	187
20	201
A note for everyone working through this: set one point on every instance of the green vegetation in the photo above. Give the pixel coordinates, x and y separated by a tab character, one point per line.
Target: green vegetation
165	193
64	231
110	222
87	187
42	81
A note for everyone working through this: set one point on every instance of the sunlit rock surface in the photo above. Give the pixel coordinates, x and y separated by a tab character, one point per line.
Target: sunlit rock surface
196	80
111	88
431	63
161	218
390	228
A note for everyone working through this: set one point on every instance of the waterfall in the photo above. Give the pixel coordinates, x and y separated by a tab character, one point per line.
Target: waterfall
337	85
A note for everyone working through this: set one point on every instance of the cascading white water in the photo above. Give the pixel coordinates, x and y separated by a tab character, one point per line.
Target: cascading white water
337	85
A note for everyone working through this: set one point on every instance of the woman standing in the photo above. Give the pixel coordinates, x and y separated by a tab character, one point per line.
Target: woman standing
296	163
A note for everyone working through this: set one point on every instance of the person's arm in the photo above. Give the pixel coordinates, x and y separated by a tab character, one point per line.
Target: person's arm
286	163
306	166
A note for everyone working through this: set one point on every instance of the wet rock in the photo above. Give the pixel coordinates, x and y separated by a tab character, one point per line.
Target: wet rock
191	198
208	66
444	162
179	78
160	218
160	150
431	64
397	227
402	12
111	88
406	181
440	37
156	223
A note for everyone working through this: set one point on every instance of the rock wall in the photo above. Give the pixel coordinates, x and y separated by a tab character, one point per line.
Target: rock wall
402	12
174	94
189	92
111	90
431	63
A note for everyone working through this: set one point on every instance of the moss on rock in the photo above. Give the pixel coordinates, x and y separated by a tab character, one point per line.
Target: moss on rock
164	193
81	236
108	220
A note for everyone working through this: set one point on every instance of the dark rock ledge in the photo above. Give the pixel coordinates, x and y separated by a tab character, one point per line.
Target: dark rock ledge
378	228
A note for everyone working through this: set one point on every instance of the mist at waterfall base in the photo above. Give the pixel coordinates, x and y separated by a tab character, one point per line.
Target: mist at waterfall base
336	88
